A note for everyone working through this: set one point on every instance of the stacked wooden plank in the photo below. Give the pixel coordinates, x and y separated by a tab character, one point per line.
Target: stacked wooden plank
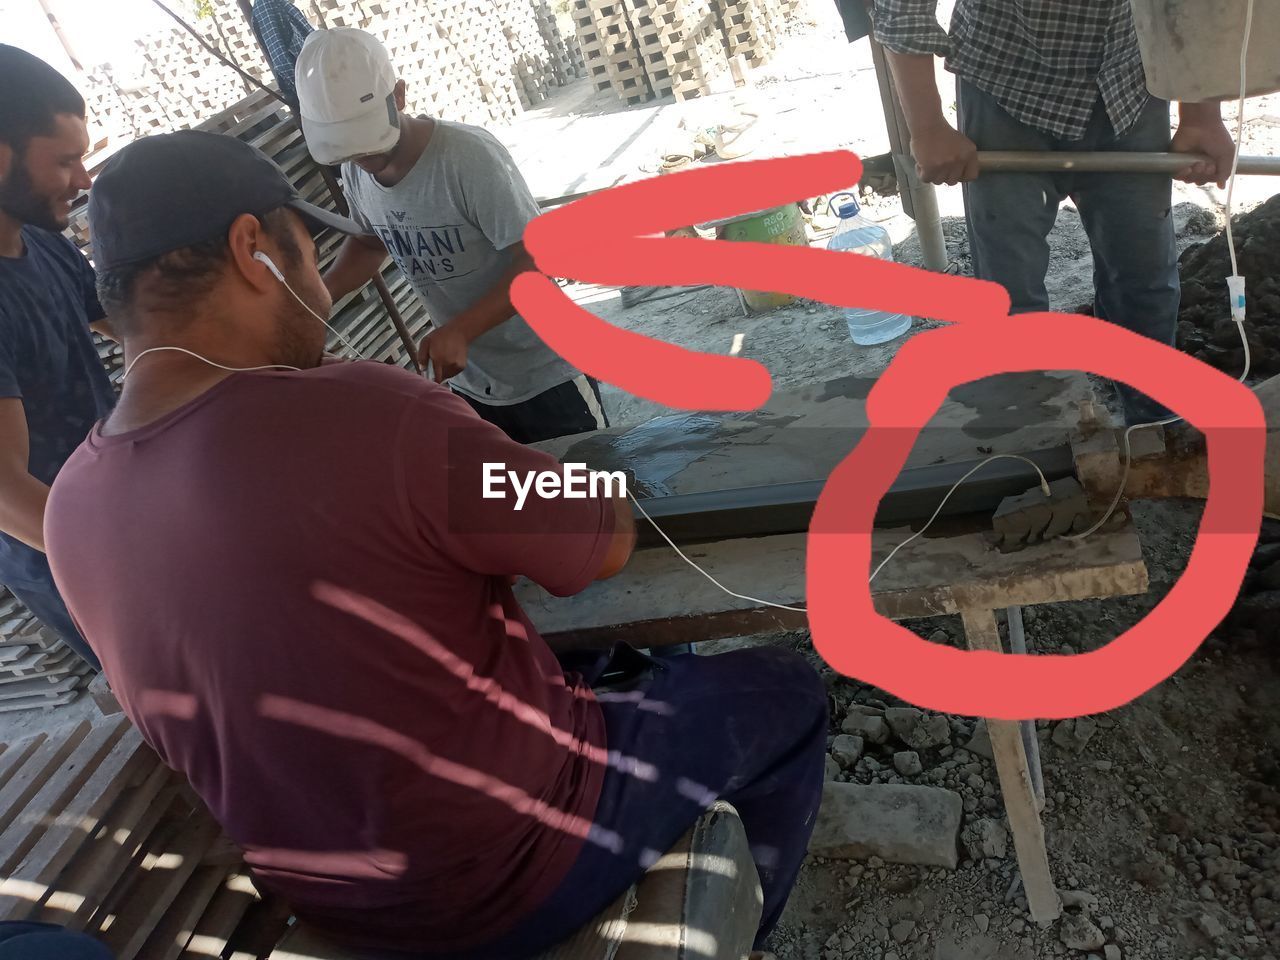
604	28
682	42
752	28
97	836
683	46
456	62
566	56
37	670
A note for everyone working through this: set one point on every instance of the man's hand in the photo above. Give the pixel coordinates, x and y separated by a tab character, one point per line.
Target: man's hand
944	155
446	350
1201	130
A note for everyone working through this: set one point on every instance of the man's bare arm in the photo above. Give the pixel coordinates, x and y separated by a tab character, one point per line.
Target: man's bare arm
942	153
22	496
446	347
358	259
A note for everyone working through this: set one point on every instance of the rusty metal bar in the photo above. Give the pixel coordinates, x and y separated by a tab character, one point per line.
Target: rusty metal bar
379	284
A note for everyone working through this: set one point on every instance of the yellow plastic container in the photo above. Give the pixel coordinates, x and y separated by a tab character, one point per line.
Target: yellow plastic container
783	225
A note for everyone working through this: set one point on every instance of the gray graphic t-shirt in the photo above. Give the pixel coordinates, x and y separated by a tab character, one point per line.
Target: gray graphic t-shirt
449	225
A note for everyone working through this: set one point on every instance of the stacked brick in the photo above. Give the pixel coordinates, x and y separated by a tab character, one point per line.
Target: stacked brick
646	48
476	61
752	28
610	45
37	670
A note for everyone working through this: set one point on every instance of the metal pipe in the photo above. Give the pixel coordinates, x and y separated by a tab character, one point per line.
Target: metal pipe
1053	161
1030	742
924	204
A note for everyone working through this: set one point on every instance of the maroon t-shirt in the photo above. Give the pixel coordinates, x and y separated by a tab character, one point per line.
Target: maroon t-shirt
300	596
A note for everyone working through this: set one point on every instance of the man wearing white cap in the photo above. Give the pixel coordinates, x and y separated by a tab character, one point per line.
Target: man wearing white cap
446	201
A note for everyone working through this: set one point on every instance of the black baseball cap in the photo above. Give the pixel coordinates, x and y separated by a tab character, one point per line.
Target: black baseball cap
172	190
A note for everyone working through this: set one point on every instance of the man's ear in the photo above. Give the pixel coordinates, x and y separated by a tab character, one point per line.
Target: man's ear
244	239
400	94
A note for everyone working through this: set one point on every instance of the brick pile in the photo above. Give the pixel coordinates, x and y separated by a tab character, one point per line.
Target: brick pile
456	62
646	48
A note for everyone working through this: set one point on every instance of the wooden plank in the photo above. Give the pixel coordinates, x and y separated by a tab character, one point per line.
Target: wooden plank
164	871
177	926
16	754
39	703
44	763
52	800
216	926
981	633
97	866
657	598
129	760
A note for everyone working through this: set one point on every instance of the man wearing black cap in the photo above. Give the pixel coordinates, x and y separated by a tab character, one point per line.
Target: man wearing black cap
52	384
308	607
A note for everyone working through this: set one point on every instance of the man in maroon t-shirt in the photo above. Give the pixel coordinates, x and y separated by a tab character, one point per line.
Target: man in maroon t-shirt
302	597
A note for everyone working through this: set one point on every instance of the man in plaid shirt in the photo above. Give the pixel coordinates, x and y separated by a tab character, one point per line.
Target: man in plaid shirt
281	29
1063	76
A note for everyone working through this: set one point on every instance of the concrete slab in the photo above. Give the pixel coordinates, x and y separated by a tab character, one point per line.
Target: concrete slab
897	823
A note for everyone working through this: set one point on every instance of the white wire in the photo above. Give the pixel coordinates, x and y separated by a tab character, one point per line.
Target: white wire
1235	271
192	353
1044	486
681	554
350	346
1235	160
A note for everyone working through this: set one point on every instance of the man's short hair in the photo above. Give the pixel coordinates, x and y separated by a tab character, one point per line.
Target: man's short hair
34	94
181	277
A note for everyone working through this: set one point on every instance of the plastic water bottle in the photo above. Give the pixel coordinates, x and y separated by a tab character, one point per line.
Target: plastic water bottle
857	233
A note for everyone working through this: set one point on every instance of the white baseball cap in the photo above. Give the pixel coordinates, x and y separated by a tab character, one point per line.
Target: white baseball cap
346	95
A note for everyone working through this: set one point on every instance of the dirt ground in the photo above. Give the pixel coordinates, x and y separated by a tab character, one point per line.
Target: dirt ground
1163	816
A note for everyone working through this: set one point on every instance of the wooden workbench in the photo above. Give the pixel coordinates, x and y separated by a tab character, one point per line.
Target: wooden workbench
659	600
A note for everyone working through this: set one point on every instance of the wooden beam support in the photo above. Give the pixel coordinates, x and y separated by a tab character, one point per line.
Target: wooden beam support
1020	805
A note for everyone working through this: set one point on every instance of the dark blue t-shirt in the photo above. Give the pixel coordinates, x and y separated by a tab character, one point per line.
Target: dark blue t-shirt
48	360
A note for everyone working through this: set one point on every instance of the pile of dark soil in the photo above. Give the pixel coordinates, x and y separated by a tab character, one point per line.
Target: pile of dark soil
1205	328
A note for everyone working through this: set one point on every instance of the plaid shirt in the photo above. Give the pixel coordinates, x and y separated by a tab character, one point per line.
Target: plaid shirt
281	30
1044	61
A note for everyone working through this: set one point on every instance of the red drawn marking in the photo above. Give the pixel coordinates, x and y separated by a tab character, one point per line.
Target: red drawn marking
857	641
984	341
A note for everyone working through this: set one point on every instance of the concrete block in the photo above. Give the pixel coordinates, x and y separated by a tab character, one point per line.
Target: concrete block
899	823
870	729
916	729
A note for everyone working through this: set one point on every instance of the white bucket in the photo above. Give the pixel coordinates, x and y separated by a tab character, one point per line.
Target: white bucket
1191	48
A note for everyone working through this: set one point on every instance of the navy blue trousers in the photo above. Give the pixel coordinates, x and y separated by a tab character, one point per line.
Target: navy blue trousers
748	727
1127	216
24	940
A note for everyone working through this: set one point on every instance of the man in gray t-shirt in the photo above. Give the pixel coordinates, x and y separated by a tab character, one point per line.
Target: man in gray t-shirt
447	202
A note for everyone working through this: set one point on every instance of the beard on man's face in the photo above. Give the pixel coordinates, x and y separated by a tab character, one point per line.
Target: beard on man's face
300	336
20	201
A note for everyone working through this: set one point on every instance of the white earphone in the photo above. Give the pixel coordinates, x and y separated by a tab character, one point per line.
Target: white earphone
270	264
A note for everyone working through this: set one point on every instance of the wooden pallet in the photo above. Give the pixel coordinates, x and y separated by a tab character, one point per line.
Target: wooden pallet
97	835
37	670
